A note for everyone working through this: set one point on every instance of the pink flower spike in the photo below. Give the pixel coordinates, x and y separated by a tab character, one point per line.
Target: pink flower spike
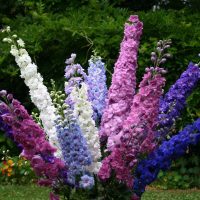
137	136
122	89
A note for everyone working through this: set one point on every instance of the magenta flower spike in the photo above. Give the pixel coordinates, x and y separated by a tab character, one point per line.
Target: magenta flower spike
32	139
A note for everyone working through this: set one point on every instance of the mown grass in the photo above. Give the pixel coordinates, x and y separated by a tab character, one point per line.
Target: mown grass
19	192
32	192
171	195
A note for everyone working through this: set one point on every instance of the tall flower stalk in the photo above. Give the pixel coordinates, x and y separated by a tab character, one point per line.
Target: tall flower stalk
84	112
138	134
162	157
122	89
32	139
38	91
96	81
174	100
74	148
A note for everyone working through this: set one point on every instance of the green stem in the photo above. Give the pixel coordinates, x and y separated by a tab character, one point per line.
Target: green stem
67	194
96	185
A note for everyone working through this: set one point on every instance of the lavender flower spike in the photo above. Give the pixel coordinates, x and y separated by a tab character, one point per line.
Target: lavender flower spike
74	147
74	75
96	81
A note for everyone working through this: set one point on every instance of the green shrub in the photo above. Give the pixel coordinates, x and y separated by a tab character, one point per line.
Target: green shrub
184	174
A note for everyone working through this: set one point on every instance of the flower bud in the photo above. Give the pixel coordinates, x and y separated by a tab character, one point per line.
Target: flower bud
163	71
159	49
147	69
158	44
152	68
9	97
163	60
8	28
167	55
3	93
153	59
167	46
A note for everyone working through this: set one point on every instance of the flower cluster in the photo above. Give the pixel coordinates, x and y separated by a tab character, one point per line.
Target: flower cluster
83	111
160	56
32	139
138	133
96	81
175	99
7	167
14	168
38	91
121	91
161	158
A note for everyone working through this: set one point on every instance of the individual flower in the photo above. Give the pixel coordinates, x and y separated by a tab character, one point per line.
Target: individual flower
21	43
87	182
122	89
83	112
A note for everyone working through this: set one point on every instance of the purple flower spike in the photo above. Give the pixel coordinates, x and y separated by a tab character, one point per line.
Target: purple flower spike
162	157
174	100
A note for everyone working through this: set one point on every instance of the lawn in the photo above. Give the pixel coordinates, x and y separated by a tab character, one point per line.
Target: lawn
35	193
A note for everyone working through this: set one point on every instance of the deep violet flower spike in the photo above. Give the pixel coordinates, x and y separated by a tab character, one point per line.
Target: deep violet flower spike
174	100
96	81
4	126
122	89
162	157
